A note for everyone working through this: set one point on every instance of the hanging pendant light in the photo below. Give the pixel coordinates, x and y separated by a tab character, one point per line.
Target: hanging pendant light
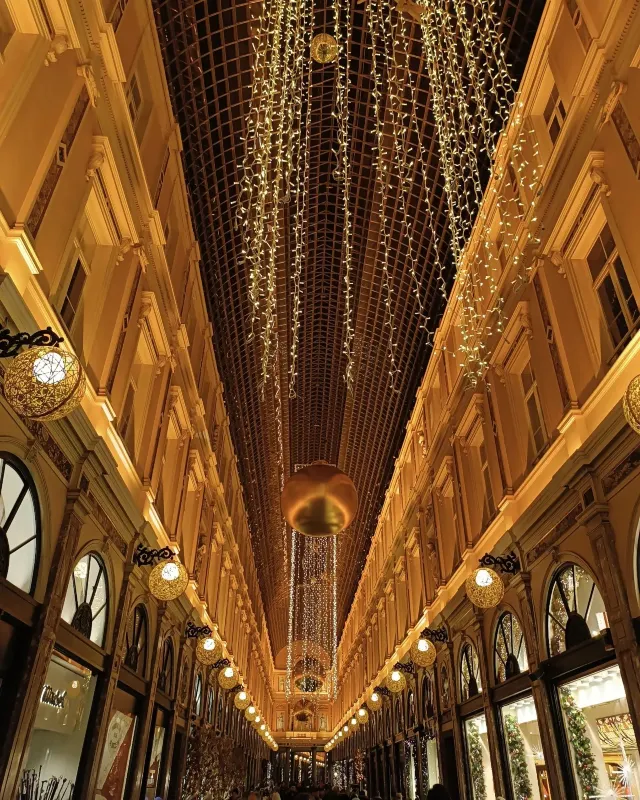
250	713
242	700
631	404
168	580
208	650
44	383
324	48
375	701
319	500
396	681
423	652
363	715
228	677
485	588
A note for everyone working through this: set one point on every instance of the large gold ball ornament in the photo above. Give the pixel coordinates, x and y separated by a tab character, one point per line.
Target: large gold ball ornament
208	650
324	48
168	580
631	404
44	383
228	677
485	588
242	700
363	715
319	500
250	713
375	701
423	652
396	681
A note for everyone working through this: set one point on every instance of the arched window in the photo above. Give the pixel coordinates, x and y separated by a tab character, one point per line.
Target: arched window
445	691
165	679
575	609
427	698
19	524
210	706
470	683
197	695
411	709
219	712
399	714
136	639
387	723
509	650
85	604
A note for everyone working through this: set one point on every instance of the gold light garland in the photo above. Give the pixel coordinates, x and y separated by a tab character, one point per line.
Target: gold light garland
44	383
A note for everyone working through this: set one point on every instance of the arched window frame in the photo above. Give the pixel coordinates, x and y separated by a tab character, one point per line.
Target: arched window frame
137	641
427	697
165	678
576	629
11	538
445	687
399	713
509	648
470	680
88	605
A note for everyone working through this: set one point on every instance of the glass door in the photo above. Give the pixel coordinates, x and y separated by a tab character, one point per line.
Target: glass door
521	735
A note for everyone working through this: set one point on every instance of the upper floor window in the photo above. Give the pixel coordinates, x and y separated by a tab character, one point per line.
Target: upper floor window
575	609
136	641
578	22
470	683
19	524
509	651
554	114
535	419
165	678
134	98
612	287
86	602
73	295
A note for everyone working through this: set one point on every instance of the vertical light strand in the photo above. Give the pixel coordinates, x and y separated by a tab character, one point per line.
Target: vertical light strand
292	603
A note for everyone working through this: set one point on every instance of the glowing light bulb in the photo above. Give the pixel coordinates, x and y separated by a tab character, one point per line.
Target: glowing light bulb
483	577
242	696
375	697
258	718
49	368
252	709
395	675
209	644
345	729
228	673
361	712
170	572
354	721
423	645
263	726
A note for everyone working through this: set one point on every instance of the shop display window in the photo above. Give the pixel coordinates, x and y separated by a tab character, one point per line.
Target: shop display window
509	650
603	747
61	722
575	611
529	777
470	683
86	602
19	524
114	768
430	769
155	757
478	758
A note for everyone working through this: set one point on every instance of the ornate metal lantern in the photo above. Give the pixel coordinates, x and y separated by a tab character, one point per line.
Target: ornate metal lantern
168	580
375	701
250	713
208	650
319	500
485	588
228	677
44	383
324	48
242	700
423	652
363	715
631	404
396	681
353	722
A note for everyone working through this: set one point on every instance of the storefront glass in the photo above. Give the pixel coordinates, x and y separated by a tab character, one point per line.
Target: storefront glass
112	778
479	760
529	778
155	757
604	751
61	722
430	770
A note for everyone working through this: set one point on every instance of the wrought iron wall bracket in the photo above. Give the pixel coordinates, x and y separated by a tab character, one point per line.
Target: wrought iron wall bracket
382	690
11	343
435	634
221	662
145	556
408	668
509	564
194	632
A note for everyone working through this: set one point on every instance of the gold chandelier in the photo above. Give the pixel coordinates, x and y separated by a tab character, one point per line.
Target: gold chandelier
44	383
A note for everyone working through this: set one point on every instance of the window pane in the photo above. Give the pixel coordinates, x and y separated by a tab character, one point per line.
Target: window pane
602	744
521	734
61	720
478	758
526	377
606	238
596	259
614	318
554	130
625	286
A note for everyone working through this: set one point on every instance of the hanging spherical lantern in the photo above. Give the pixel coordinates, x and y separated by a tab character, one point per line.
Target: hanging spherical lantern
208	650
396	681
631	404
44	383
228	677
319	500
345	729
485	588
168	580
353	722
324	48
250	713
242	700
423	652
375	701
363	715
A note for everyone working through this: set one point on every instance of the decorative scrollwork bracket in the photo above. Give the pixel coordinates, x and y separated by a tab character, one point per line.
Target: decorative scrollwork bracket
11	343
436	634
407	668
146	557
509	564
382	690
194	632
221	662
